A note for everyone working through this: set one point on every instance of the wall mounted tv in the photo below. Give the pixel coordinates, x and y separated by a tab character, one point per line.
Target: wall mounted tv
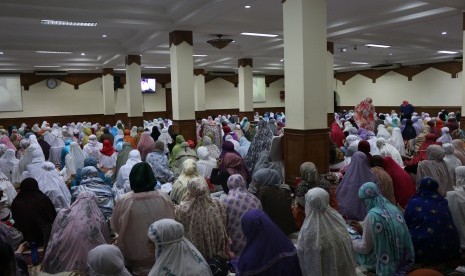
148	85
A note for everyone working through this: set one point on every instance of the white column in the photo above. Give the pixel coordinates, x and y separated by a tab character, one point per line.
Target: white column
108	92
133	90
199	89
330	77
245	72
182	80
305	61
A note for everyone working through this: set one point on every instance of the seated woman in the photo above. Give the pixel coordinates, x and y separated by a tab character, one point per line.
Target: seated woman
184	154
324	246
106	260
189	172
404	187
204	220
384	182
358	172
122	184
51	184
159	162
275	200
237	202
175	254
134	212
386	247
93	183
430	223
145	145
268	251
108	156
75	231
436	168
310	179
33	213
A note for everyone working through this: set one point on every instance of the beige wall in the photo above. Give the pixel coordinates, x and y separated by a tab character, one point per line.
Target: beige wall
431	87
88	99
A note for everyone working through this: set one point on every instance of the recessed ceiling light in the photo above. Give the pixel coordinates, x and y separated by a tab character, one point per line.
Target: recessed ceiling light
67	23
155	67
447	52
377	45
444	33
390	54
359	63
199	55
104	35
282	60
53	52
247	6
83	54
47	66
260	34
1	53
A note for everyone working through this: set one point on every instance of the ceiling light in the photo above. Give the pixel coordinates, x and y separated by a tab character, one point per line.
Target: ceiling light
219	42
1	53
53	52
47	66
444	33
447	52
247	7
67	23
282	60
377	45
104	35
83	54
359	63
155	67
199	55
342	50
259	34
390	54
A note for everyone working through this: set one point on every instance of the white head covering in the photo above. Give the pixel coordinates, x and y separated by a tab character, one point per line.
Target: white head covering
106	260
347	125
165	137
445	137
460	176
78	155
397	141
382	132
386	149
324	245
175	253
51	184
133	158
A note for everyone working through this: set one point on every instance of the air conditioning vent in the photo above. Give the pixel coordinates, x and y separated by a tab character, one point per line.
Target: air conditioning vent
386	66
221	73
51	73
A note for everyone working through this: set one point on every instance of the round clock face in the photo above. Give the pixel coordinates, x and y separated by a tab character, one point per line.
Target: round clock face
52	83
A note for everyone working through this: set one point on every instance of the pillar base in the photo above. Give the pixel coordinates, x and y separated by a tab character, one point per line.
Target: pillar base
248	114
330	119
305	145
186	128
134	121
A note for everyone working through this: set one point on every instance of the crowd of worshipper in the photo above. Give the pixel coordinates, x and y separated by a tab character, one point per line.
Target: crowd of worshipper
111	200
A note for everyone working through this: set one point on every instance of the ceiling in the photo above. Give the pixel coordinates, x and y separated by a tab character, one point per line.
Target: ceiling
412	28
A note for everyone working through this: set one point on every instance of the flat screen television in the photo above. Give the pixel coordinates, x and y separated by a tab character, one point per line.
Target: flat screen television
148	85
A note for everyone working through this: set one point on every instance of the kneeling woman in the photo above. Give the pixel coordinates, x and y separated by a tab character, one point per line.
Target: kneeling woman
386	247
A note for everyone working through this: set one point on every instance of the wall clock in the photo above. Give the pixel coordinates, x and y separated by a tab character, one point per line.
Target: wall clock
51	83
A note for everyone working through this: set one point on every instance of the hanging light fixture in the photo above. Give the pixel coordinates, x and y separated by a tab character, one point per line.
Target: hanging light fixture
219	42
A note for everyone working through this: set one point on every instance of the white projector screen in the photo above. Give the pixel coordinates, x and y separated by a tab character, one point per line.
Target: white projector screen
10	93
258	89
